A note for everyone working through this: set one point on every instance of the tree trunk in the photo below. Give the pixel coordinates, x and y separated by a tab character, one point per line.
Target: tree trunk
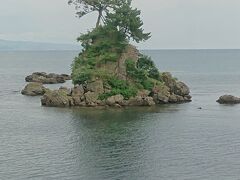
99	18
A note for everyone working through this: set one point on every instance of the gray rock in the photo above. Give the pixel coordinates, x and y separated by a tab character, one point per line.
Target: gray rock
173	98
101	103
228	99
141	101
117	106
91	98
40	74
143	93
181	89
177	99
187	98
66	89
34	78
176	87
66	77
57	98
117	99
78	95
51	75
168	80
77	90
95	86
34	89
161	94
45	78
148	101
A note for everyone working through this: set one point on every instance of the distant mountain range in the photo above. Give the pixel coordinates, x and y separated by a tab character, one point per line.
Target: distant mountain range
6	45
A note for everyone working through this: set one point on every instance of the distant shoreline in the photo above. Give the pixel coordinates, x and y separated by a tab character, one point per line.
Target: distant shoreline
6	45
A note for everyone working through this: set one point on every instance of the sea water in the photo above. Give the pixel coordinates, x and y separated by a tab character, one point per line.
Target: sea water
177	141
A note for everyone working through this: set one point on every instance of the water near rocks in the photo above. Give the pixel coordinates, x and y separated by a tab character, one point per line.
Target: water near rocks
198	140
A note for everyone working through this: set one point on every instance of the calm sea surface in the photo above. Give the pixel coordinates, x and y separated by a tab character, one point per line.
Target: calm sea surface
176	142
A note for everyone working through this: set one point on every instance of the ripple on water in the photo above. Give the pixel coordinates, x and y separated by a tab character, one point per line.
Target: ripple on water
165	142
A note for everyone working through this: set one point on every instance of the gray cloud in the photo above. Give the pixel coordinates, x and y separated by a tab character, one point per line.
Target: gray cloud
173	23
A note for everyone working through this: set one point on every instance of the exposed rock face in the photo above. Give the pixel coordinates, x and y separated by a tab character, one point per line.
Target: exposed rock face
176	87
171	91
181	89
67	90
176	99
57	98
113	100
228	99
119	68
42	77
95	86
143	93
91	98
66	76
78	95
34	89
141	101
161	94
169	81
131	53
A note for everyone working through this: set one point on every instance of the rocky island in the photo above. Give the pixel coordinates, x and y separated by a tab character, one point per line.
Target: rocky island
110	71
99	93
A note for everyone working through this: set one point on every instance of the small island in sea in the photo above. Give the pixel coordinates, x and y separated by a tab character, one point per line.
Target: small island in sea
110	71
114	104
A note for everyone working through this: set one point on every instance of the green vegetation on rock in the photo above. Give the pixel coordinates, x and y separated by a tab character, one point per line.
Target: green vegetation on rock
118	86
110	71
107	54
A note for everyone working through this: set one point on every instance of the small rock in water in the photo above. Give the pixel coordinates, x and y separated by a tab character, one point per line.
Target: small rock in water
228	99
34	89
44	78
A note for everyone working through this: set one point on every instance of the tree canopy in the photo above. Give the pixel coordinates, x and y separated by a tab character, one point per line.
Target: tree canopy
114	14
128	22
84	7
107	54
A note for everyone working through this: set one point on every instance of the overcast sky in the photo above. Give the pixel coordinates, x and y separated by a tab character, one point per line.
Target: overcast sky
175	24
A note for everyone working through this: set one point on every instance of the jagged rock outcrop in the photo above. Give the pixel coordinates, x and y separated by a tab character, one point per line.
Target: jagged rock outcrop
57	98
91	98
161	94
228	99
44	78
34	89
78	95
95	86
115	100
141	101
118	68
170	91
176	87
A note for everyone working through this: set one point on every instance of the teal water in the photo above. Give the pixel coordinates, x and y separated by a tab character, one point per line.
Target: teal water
164	142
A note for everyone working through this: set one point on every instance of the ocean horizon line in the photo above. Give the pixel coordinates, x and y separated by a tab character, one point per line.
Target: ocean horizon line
49	50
